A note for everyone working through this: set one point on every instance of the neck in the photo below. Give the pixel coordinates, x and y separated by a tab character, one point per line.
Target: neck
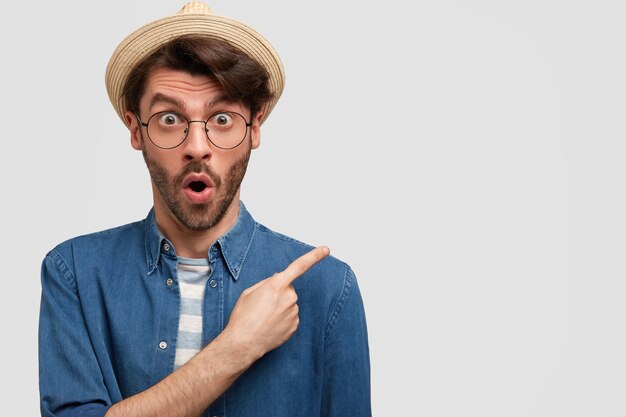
193	243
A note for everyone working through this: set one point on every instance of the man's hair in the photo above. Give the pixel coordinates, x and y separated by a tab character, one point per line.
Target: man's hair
241	77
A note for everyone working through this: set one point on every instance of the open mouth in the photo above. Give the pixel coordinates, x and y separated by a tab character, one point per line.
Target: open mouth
197	186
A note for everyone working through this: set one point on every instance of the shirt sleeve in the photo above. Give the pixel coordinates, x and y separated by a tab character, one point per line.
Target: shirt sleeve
346	389
70	380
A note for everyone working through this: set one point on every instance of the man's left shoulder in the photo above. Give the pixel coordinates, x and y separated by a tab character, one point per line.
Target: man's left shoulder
324	291
285	249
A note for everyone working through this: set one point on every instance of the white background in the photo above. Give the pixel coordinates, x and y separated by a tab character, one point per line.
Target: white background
465	157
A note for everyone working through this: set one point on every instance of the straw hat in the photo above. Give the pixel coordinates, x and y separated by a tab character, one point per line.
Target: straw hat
195	18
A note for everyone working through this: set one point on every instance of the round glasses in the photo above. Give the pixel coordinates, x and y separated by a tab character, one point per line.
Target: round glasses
224	129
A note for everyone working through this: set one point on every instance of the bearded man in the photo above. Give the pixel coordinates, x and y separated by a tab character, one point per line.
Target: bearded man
196	309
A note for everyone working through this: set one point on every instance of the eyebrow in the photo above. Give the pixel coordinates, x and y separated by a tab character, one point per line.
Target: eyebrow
220	100
162	98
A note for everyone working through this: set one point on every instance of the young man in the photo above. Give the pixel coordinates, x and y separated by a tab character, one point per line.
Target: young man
162	316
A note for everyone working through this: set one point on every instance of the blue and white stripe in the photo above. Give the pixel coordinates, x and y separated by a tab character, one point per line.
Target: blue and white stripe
192	277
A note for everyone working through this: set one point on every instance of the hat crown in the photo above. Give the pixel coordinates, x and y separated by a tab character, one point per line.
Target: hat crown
195	7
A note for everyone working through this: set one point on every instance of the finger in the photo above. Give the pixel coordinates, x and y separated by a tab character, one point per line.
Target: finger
301	265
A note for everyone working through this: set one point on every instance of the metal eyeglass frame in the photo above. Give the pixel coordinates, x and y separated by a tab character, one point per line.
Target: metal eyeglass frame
206	131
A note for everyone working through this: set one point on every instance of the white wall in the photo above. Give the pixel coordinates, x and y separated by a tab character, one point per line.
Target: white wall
466	158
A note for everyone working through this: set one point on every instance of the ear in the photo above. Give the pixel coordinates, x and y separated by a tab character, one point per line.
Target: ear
134	127
255	130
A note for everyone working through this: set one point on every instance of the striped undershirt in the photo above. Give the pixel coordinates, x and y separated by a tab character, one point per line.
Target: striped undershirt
192	277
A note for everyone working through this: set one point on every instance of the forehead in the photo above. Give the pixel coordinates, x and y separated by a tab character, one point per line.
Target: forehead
182	87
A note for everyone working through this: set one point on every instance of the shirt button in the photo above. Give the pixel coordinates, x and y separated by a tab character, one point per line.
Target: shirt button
162	345
169	281
213	283
166	247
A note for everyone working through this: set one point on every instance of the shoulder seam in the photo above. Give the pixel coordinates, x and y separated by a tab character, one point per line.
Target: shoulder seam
64	269
345	293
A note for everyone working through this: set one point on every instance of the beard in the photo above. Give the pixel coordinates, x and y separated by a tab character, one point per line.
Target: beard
198	217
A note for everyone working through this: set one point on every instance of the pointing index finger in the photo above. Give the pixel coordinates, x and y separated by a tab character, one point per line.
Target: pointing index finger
302	264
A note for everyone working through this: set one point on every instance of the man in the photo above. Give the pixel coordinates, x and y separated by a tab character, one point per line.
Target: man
175	315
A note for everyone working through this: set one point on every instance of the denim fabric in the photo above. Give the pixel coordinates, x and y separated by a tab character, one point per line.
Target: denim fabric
109	322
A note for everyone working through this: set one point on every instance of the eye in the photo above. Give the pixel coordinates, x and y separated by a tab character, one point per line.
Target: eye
170	119
222	119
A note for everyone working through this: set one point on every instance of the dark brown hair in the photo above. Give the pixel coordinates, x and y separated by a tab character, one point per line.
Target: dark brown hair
242	78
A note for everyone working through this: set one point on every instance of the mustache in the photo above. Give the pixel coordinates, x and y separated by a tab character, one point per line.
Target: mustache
197	167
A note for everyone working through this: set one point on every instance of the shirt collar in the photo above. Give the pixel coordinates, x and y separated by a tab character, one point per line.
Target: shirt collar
234	244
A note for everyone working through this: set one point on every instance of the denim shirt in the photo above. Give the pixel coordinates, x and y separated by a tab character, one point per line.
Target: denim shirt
110	311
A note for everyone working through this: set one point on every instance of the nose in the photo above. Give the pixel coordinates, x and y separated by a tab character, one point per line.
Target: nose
196	145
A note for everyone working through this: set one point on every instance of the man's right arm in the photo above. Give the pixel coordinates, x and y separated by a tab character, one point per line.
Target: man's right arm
265	316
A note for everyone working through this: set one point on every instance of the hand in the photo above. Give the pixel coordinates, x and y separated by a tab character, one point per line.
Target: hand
266	314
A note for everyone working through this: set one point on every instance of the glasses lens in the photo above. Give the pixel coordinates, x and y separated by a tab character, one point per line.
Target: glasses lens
167	129
226	129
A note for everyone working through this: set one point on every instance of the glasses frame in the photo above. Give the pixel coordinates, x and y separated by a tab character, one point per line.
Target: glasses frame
189	122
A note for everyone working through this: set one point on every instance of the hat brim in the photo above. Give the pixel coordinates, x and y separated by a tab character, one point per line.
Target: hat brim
144	41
